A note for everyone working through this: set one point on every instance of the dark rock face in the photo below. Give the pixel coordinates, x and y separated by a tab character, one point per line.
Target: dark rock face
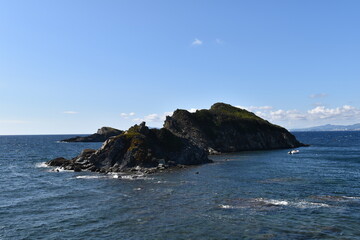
101	135
186	139
139	147
225	128
58	162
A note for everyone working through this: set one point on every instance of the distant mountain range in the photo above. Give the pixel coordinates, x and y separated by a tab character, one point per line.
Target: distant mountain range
330	127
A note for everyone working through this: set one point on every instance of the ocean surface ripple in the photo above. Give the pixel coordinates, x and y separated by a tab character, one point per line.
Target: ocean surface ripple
250	195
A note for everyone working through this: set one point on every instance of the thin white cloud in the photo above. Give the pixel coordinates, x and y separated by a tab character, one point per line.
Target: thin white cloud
286	115
192	110
254	108
344	112
316	115
219	41
197	42
318	95
154	118
127	115
264	107
70	112
316	104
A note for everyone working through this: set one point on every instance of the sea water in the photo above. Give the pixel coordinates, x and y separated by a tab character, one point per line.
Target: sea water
250	195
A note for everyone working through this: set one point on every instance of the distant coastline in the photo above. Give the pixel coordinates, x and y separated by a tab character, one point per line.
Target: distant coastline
329	127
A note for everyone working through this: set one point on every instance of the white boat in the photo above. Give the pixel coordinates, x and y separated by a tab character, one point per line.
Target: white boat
293	152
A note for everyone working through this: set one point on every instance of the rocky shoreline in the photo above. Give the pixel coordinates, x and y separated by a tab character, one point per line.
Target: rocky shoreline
186	139
140	149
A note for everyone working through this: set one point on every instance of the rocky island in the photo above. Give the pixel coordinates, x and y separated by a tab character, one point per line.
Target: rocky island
186	139
100	136
225	129
137	148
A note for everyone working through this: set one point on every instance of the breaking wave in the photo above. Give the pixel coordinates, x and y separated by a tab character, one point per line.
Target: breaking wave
42	165
88	177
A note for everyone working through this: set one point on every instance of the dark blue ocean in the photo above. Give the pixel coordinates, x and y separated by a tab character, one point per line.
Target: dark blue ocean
250	195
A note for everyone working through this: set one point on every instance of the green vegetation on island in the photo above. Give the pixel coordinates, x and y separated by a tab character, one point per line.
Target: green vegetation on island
186	139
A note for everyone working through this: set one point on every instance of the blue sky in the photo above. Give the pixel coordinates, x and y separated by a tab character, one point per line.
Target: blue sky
74	66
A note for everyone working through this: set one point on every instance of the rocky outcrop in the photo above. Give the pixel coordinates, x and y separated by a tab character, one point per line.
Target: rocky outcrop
186	139
225	128
137	148
101	135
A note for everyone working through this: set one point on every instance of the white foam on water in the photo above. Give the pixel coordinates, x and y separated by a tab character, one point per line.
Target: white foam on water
335	198
133	177
88	177
114	175
263	204
299	204
275	202
130	176
227	206
353	198
42	165
256	203
306	204
161	182
59	169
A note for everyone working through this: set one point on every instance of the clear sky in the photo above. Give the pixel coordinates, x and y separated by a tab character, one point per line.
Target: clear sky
73	66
